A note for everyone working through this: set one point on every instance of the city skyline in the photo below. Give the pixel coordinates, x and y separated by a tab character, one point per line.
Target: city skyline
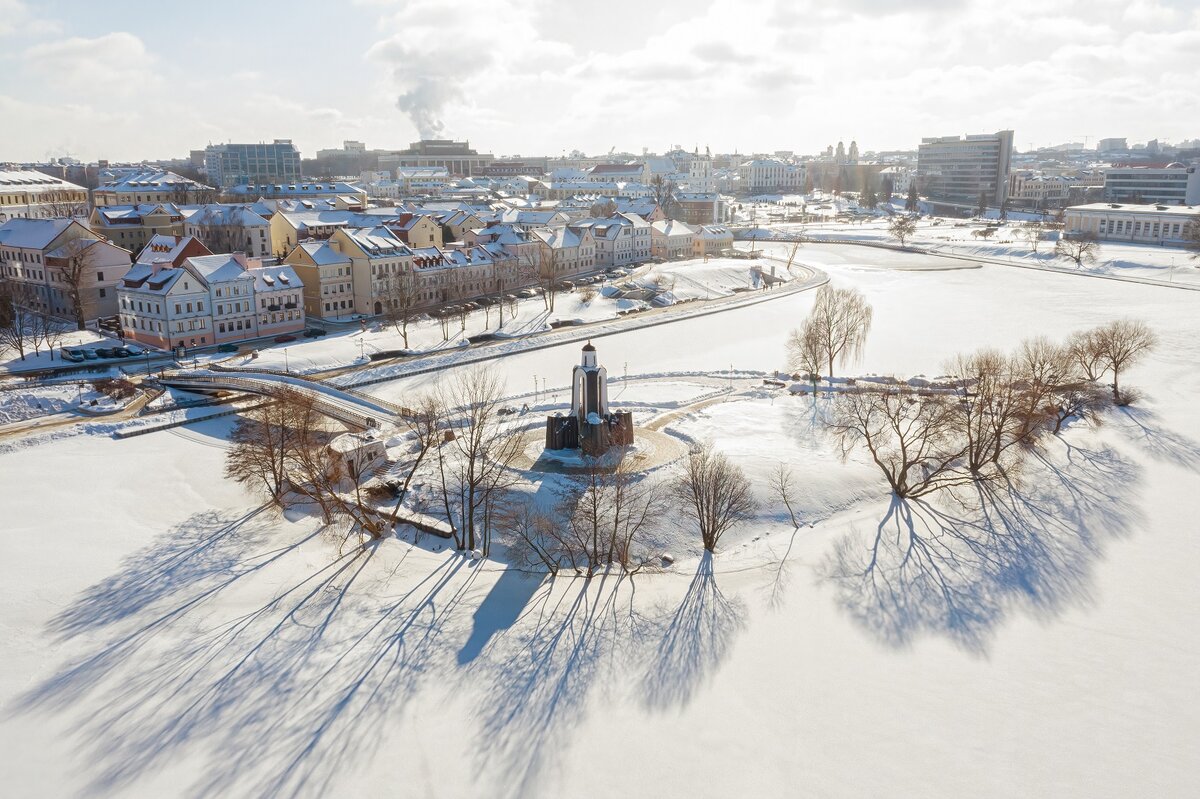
538	79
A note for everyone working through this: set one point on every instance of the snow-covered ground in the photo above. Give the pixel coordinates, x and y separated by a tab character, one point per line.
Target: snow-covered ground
957	237
87	339
163	637
692	278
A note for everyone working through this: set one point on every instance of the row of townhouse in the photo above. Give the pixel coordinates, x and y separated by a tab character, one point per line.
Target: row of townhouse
223	227
622	239
33	195
369	271
61	267
170	298
290	228
149	186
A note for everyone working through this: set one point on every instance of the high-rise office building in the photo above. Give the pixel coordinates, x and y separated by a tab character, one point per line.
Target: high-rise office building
957	169
234	164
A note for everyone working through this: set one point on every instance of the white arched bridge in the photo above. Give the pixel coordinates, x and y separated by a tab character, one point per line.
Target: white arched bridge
350	407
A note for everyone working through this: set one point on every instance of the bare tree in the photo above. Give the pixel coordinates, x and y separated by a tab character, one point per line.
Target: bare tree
901	228
44	331
400	298
607	510
783	487
990	418
539	537
17	316
318	474
713	494
76	273
1032	233
1085	349
281	449
1191	239
540	266
806	353
1047	374
424	421
262	441
1081	248
914	440
840	321
473	468
1122	343
70	203
984	232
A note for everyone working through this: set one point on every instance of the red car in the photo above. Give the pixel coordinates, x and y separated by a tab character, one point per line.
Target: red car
284	339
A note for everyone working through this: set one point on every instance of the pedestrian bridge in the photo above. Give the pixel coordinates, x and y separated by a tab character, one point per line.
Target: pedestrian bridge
347	406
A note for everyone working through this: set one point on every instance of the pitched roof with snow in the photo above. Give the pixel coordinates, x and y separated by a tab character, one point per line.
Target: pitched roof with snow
275	278
323	254
378	242
220	268
222	214
164	248
150	180
34	234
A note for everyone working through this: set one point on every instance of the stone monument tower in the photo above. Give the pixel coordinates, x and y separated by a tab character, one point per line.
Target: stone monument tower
590	426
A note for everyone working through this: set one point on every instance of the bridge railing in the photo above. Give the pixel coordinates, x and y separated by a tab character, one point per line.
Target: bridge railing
397	409
342	413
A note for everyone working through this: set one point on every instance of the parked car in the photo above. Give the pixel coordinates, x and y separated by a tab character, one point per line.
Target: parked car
88	355
121	352
134	351
227	348
284	339
74	356
314	332
105	352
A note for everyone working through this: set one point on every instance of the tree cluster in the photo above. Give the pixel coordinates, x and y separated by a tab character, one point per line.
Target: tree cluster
281	450
997	406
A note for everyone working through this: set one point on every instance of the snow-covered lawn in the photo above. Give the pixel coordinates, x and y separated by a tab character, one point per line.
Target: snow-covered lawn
162	637
956	237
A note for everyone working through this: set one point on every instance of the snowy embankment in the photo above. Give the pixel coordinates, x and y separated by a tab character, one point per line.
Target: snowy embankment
692	279
165	636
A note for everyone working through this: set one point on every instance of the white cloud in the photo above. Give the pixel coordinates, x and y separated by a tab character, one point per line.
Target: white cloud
543	77
17	18
113	62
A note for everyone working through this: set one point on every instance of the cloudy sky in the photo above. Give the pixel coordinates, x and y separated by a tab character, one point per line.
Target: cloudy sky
125	79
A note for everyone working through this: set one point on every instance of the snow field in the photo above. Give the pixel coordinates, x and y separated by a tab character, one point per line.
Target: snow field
162	639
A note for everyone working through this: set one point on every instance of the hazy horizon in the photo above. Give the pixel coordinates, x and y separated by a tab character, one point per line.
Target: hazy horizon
126	81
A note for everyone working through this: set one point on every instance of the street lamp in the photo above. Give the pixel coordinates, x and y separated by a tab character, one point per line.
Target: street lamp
286	368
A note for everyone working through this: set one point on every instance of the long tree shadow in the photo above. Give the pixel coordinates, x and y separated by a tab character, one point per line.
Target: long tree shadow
1142	427
928	569
544	670
695	641
279	699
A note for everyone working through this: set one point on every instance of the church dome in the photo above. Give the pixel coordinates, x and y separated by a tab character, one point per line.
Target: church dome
588	347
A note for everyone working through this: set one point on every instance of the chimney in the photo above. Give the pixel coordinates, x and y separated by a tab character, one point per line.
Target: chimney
335	245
